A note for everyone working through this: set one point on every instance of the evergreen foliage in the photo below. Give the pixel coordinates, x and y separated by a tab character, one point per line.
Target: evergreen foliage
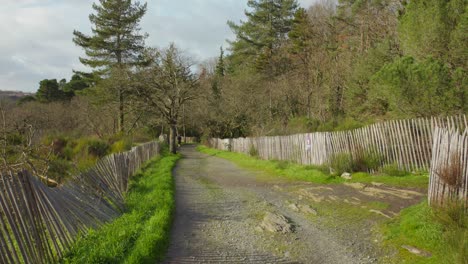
264	33
116	39
116	42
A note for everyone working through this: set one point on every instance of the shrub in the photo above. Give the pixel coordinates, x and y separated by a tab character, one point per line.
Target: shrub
121	146
366	160
98	148
59	169
341	163
14	139
141	137
348	124
253	152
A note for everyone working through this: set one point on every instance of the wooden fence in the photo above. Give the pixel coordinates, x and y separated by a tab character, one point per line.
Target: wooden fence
404	143
449	168
38	223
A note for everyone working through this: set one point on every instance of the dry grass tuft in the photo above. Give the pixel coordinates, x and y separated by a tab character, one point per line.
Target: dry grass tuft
452	172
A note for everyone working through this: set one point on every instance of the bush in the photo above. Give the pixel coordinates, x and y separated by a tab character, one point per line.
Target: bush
367	160
348	124
14	139
59	169
253	152
341	163
121	146
98	148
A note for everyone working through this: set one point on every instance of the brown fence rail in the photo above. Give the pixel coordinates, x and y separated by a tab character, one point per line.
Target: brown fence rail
449	168
38	223
405	143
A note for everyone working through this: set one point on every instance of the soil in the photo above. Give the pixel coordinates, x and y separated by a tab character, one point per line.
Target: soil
220	209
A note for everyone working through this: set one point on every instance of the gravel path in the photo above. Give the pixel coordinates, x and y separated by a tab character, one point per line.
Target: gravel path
219	208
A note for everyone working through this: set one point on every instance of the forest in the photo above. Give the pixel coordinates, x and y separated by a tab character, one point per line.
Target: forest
333	66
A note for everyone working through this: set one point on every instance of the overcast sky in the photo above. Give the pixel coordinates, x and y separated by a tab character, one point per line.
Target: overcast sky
36	35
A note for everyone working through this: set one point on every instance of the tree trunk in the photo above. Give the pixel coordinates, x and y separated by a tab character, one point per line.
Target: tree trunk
121	111
172	138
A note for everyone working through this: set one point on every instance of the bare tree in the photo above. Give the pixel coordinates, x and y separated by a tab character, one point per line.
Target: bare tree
166	85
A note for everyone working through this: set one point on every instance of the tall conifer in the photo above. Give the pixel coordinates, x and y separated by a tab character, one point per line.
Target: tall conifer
116	42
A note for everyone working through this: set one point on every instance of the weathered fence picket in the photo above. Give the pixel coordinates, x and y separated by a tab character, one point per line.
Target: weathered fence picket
38	223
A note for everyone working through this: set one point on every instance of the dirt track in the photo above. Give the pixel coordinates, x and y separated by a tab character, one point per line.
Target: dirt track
219	208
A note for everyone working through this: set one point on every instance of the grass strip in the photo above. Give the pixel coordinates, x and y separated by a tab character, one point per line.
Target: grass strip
141	234
313	174
441	232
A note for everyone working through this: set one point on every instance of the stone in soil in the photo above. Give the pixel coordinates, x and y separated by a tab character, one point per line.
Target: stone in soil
307	209
276	223
417	251
294	207
346	176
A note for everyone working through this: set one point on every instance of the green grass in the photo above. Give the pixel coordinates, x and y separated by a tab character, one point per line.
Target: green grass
443	233
141	234
313	174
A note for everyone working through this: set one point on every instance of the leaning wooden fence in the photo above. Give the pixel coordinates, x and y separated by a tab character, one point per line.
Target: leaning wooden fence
405	143
449	168
38	223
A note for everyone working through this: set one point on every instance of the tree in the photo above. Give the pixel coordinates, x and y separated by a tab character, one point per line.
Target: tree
166	85
266	30
220	66
78	82
412	88
302	38
116	41
49	91
427	25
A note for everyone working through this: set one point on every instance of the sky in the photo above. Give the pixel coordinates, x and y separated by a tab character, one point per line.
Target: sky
36	35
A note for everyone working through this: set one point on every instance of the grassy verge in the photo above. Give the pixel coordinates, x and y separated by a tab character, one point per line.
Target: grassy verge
141	235
442	232
312	174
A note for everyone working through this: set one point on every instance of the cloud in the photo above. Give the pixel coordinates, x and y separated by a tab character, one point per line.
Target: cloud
37	34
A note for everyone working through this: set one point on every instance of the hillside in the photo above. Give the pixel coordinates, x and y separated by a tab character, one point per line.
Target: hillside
13	95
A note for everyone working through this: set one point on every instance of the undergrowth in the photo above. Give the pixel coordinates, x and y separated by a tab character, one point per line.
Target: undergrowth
313	174
141	234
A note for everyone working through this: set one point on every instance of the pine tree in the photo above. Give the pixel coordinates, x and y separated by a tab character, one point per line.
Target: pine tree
116	41
266	31
427	26
220	67
301	35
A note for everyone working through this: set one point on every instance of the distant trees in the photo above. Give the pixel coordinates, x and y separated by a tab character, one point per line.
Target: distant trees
116	42
338	65
49	91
